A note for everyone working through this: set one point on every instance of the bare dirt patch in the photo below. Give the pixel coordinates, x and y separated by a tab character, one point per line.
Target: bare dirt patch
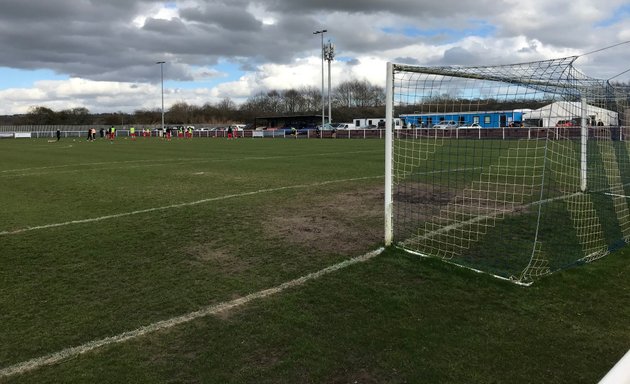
347	222
422	194
211	254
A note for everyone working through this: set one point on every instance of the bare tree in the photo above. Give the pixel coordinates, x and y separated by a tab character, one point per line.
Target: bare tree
293	101
312	99
179	113
146	116
227	104
350	98
41	115
343	95
274	101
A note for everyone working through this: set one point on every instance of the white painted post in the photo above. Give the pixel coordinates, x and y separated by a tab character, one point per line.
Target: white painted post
389	125
584	142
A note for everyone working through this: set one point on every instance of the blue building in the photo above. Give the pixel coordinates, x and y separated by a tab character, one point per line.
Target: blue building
486	119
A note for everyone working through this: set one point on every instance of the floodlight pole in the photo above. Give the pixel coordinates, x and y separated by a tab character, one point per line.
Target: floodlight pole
323	99
162	81
330	55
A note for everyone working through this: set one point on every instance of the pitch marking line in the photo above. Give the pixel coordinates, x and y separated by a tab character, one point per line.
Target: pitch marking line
67	353
219	198
88	164
181	205
617	195
168	161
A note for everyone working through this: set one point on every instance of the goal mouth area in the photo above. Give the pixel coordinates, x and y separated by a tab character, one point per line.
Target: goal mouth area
479	271
495	168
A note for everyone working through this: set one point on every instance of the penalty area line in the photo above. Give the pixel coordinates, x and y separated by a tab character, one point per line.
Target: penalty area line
181	205
616	195
68	353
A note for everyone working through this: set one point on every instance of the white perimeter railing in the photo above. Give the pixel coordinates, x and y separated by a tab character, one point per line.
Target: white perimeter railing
505	133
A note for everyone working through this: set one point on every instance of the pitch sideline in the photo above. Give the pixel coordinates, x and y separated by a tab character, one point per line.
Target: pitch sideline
71	352
181	205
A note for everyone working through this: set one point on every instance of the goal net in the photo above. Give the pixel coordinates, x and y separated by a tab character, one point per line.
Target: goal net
515	170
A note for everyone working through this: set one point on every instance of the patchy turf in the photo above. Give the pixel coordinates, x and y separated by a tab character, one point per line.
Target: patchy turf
265	213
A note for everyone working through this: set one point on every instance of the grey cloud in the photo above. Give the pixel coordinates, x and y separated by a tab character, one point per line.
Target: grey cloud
174	28
407	60
459	56
418	8
100	35
97	39
229	17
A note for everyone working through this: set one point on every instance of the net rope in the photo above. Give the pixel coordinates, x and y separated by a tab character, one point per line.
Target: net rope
504	193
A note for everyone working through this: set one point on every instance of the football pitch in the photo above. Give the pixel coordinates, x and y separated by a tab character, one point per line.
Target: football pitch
256	261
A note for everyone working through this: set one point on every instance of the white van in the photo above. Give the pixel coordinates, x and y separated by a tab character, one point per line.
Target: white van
346	126
374	122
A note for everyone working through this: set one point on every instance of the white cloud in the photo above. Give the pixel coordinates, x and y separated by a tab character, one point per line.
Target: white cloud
261	14
159	11
273	40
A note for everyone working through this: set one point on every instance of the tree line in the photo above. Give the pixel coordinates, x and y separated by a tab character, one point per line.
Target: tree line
348	100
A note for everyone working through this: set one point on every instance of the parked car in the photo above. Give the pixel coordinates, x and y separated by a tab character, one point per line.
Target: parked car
473	125
307	129
565	123
328	127
445	124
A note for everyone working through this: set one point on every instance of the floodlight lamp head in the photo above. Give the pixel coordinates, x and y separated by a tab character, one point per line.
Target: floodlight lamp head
329	51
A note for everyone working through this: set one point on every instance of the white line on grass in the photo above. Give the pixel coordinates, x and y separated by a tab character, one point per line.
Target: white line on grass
181	205
115	216
162	161
617	195
59	172
75	165
67	353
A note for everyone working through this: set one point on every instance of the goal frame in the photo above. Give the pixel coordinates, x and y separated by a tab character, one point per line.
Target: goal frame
391	134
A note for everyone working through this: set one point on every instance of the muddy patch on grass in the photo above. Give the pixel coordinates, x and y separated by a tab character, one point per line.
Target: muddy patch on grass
423	194
347	222
218	257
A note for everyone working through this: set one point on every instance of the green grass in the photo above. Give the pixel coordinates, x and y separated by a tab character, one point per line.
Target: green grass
281	209
492	204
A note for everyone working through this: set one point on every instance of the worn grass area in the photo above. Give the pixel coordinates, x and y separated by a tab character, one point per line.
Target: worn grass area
259	213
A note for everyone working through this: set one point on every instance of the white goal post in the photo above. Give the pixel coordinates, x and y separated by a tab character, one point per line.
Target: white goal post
514	170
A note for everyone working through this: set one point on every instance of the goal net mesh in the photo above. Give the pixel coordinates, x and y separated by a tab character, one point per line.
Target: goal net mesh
515	170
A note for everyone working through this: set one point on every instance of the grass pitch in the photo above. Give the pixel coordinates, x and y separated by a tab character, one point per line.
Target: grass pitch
98	239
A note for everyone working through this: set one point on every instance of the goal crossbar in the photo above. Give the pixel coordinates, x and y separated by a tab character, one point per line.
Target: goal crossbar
522	139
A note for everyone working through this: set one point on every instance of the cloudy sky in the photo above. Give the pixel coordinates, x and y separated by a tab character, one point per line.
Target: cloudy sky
102	54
